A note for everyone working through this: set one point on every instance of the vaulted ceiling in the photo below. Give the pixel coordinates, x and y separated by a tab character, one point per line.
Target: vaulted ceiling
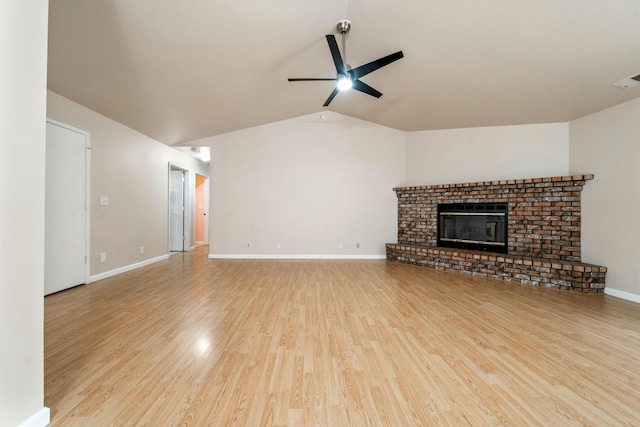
180	70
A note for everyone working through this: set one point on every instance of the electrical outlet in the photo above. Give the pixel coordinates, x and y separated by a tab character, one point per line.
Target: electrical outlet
278	245
141	250
103	257
104	201
248	244
357	245
340	245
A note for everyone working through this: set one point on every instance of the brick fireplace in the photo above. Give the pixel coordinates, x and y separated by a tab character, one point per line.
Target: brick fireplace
543	246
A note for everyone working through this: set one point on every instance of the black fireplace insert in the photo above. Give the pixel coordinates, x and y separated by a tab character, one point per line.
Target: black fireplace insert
477	226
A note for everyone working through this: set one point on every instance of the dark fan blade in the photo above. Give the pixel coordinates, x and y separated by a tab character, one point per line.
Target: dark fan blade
365	88
330	98
311	79
365	69
335	53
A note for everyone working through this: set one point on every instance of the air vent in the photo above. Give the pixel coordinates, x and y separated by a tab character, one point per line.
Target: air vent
629	82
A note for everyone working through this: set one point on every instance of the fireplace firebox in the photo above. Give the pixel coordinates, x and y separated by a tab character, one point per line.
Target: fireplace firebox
476	226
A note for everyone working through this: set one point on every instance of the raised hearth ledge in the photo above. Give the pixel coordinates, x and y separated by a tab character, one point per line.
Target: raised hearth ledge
565	275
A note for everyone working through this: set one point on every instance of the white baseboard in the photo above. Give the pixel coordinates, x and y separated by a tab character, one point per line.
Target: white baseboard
621	294
296	256
126	268
39	419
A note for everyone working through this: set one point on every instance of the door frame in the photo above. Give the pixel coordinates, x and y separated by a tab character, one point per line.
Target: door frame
87	194
186	210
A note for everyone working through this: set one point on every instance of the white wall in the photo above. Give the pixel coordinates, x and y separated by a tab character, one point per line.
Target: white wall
487	154
23	78
607	144
132	170
308	184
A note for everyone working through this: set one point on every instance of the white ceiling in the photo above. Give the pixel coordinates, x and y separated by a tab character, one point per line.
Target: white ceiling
179	70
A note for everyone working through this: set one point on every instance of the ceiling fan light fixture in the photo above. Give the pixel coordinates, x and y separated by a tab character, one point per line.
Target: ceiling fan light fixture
344	83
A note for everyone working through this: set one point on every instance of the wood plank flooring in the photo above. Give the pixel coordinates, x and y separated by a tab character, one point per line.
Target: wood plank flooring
198	342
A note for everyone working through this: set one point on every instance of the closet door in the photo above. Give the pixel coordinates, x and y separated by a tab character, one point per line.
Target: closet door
66	208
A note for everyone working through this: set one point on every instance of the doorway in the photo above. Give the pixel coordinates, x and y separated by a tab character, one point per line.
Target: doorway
202	208
177	193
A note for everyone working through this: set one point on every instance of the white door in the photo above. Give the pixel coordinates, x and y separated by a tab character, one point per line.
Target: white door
176	211
65	208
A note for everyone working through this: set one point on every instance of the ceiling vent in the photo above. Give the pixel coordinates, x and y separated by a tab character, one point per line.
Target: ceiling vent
629	82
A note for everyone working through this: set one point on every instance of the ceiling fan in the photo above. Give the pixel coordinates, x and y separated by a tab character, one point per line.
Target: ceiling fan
347	77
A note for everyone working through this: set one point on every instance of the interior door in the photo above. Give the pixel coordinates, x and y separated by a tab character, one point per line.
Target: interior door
201	208
66	216
176	210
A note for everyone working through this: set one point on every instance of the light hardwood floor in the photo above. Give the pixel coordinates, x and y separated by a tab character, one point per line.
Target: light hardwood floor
198	342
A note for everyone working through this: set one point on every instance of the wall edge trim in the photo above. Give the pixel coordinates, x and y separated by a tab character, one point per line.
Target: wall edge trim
293	256
622	294
39	419
126	268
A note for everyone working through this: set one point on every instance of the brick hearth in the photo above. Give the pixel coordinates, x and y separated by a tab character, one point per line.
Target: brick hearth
543	232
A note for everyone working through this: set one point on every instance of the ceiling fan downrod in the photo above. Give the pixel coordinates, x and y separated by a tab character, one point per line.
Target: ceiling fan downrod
343	28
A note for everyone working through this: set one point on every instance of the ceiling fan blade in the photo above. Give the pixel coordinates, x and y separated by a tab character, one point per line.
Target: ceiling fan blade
365	69
310	79
330	98
335	53
365	88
